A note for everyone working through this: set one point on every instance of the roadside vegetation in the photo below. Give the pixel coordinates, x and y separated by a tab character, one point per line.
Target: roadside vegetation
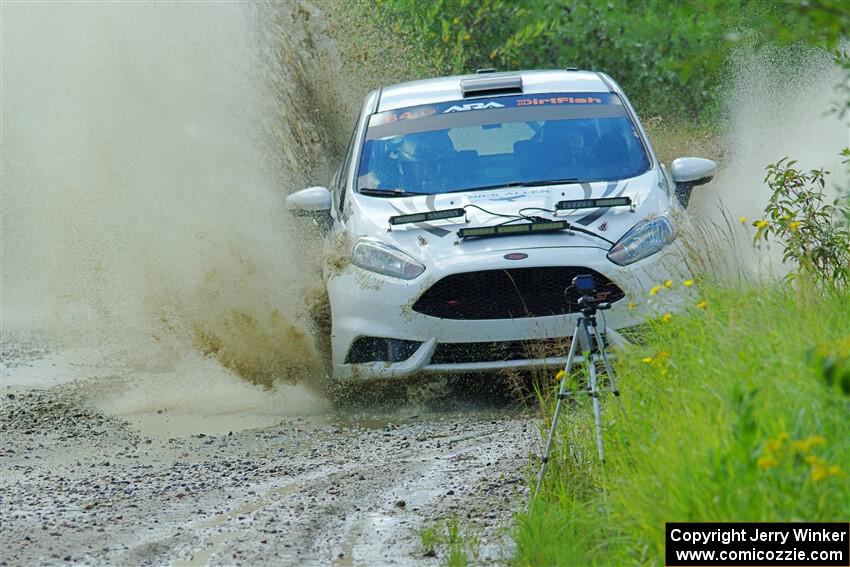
734	410
670	57
448	540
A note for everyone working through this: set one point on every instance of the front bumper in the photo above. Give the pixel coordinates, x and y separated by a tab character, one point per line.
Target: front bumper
364	304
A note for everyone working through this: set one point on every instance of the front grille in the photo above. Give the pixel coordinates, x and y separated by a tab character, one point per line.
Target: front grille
460	353
510	293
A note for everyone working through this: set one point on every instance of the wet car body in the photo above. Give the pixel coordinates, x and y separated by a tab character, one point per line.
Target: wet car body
424	294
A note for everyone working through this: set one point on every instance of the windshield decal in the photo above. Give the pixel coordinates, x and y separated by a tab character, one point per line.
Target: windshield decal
473	106
494	103
559	100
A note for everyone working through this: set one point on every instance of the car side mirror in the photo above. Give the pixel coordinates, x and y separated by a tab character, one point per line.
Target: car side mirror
310	200
314	203
688	172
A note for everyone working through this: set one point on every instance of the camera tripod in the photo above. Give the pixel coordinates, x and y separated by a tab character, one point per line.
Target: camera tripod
585	333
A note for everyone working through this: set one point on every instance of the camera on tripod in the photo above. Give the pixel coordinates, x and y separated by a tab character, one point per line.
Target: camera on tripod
586	336
589	300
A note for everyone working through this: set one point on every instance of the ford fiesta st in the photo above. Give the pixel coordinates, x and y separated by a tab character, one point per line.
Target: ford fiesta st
466	205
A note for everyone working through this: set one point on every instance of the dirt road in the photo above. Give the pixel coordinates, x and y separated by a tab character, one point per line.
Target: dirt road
80	486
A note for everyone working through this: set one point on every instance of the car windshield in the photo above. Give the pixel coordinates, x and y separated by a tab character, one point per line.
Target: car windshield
498	142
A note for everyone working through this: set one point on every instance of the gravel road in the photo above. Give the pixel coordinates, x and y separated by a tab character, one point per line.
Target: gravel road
81	486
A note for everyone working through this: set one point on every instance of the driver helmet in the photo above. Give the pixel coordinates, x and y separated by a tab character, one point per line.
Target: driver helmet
424	159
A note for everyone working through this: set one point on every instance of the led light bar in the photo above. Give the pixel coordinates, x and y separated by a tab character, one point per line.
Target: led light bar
512	229
425	217
593	203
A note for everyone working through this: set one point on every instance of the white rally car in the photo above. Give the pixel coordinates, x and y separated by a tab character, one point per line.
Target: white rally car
466	205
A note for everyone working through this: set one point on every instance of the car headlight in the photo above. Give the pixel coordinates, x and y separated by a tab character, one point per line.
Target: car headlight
644	239
383	259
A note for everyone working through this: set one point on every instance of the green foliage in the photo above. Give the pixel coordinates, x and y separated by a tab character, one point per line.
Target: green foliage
814	234
451	542
667	55
819	23
670	57
733	412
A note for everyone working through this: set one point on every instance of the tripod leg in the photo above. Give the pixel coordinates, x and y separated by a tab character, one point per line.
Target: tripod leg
561	395
590	361
609	370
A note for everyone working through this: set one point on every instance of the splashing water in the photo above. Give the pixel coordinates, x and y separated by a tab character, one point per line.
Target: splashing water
143	177
779	104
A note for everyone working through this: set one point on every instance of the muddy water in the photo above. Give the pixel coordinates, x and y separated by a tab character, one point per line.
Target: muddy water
161	388
147	150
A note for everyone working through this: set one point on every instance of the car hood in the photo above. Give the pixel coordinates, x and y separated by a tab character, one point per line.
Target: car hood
430	241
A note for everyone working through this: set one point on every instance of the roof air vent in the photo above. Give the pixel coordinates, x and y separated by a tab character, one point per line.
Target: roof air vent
487	70
492	85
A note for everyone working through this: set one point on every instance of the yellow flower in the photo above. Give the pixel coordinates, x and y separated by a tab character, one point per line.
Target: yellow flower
767	462
667	317
805	445
466	37
834	470
663	354
455	20
647	359
794	225
631	306
688	283
560	375
655	290
742	220
668	284
760	224
775	445
813	460
819	473
702	304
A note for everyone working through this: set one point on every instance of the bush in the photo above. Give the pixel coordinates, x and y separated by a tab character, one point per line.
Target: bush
814	234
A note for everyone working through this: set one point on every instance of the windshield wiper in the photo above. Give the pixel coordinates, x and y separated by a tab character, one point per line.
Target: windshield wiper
554	182
388	192
486	187
510	184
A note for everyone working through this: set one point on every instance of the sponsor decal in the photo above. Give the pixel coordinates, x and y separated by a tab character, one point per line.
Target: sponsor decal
473	106
559	100
516	101
515	256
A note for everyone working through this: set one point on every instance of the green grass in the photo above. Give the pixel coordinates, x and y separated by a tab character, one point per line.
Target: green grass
728	417
455	545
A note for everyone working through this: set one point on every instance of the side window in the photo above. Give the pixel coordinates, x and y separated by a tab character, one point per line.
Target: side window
342	176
